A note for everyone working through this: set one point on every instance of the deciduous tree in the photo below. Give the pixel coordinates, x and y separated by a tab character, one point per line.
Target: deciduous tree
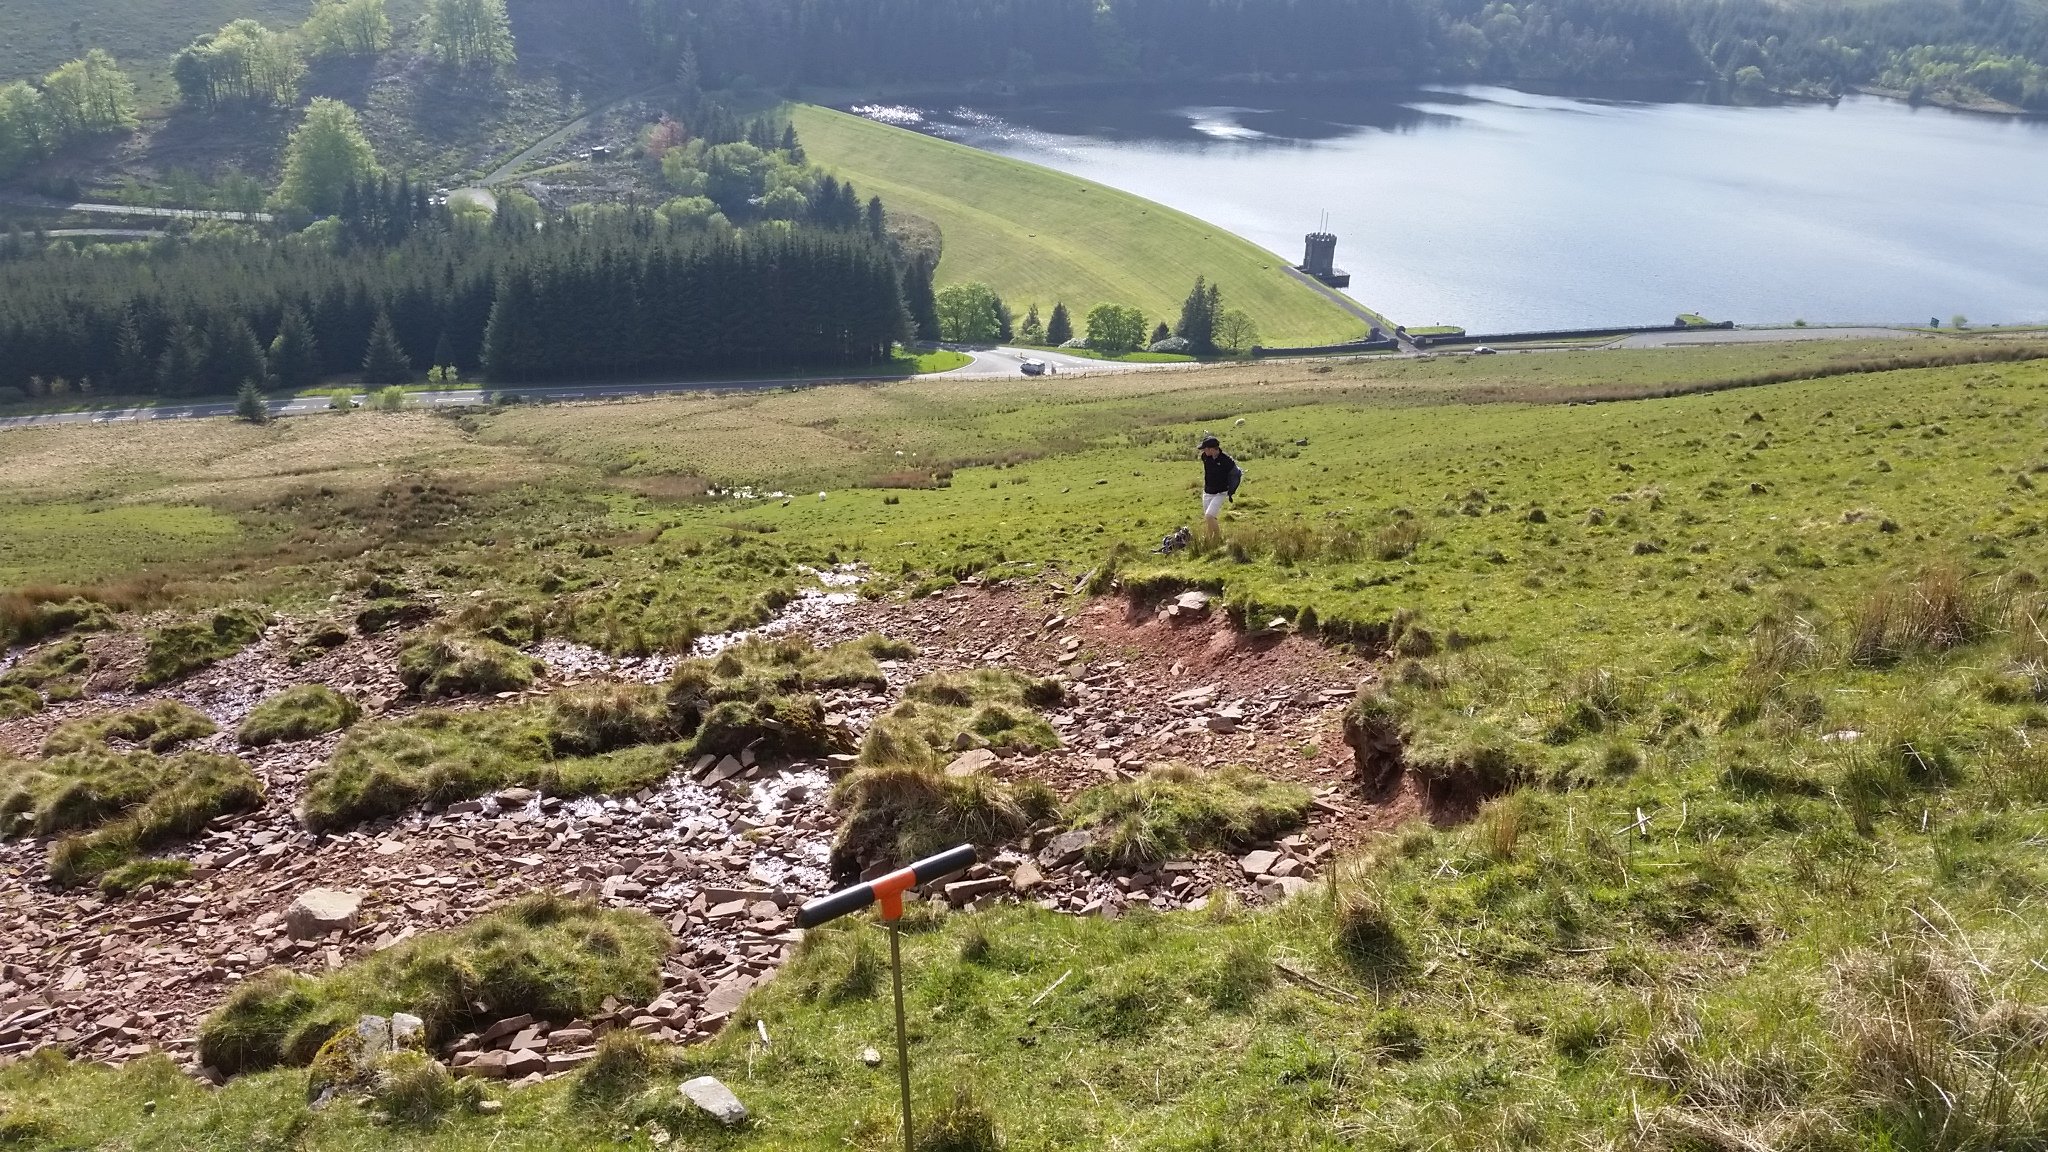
473	35
348	28
1115	329
967	314
327	153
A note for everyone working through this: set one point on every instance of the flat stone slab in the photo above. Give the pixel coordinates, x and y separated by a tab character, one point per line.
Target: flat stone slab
320	911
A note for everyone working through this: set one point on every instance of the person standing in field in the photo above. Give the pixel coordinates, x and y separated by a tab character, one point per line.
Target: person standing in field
1220	478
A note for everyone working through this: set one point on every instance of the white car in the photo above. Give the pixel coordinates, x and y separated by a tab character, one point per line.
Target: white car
1034	367
1482	350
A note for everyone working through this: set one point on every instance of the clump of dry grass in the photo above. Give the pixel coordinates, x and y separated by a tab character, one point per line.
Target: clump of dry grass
1935	611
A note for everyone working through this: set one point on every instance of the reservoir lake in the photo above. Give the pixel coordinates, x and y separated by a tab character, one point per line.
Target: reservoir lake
1499	210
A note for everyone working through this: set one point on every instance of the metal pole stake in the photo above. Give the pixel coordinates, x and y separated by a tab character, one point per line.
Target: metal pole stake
902	1033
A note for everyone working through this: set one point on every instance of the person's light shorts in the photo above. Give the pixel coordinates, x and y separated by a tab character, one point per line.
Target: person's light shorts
1212	504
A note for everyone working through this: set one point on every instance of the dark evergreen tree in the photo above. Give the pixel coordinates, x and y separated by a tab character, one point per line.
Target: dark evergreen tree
249	405
1198	317
385	361
1006	329
235	355
132	372
1161	332
1033	329
921	300
1060	328
184	357
878	225
294	353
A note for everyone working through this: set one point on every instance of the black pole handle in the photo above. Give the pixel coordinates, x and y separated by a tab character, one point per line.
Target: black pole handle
847	901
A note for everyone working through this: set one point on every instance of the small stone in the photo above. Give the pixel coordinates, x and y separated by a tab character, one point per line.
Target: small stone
713	1097
407	1030
970	763
509	1026
525	1062
871	1058
490	1107
1259	863
515	797
967	891
726	770
1026	877
321	911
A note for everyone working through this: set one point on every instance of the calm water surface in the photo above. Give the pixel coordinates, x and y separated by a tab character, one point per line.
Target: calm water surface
1499	209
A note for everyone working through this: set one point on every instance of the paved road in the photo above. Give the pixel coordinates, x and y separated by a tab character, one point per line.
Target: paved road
988	364
28	201
1760	336
123	233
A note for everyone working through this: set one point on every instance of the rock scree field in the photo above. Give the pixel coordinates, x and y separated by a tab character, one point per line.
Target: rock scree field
1585	748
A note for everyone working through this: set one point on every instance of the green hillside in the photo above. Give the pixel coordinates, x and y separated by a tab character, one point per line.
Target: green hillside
1036	235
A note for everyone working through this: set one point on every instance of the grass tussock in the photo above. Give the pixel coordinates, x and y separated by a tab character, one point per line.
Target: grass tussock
449	664
952	712
758	693
440	756
139	874
57	672
300	712
31	614
16	701
177	650
159	727
1174	810
1938	609
546	955
106	807
893	814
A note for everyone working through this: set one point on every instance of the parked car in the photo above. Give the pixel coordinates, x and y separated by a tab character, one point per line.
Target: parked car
1482	350
1034	367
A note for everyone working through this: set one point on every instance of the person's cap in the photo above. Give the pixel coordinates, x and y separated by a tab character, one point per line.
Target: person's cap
1211	442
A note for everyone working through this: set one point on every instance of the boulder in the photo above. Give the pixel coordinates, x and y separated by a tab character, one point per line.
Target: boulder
321	911
1259	863
707	1093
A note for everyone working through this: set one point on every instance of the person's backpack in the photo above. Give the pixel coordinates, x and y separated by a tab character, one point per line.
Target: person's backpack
1236	477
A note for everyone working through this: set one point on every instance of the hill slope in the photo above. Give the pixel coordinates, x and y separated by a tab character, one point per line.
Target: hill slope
1036	235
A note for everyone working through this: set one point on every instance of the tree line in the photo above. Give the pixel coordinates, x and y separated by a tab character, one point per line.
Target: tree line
972	313
1820	47
620	293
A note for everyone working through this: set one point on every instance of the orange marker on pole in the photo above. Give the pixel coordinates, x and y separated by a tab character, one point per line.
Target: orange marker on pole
888	892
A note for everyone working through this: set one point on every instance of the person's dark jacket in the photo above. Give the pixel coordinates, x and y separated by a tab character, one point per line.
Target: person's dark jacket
1220	474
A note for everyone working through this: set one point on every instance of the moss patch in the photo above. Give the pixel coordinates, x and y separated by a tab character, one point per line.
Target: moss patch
545	955
300	712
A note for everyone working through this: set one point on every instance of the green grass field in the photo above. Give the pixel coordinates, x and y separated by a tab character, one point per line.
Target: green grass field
1749	682
1037	236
